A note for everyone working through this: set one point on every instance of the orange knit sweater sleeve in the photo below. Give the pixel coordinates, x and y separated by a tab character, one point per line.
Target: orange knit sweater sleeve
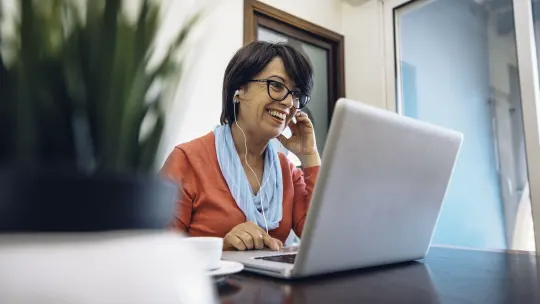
178	169
304	183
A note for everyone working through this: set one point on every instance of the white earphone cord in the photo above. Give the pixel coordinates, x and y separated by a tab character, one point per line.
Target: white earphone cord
251	169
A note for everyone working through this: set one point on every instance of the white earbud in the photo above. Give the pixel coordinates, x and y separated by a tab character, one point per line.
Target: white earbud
235	96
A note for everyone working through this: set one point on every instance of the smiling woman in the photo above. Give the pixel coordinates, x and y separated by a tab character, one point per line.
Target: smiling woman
235	185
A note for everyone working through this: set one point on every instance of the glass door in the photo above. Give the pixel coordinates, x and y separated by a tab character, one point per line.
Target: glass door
456	63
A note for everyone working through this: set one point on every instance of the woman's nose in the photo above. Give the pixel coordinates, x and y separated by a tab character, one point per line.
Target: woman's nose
288	101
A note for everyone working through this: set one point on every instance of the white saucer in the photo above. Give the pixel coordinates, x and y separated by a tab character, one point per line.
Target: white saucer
226	268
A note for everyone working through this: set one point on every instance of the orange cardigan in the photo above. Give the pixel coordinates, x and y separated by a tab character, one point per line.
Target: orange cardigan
206	206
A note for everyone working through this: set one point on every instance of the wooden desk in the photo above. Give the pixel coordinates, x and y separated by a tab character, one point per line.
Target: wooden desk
445	276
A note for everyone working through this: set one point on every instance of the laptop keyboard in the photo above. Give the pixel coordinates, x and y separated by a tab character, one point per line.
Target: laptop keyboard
285	258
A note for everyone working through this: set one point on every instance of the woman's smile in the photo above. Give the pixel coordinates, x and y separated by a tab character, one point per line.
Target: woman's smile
276	115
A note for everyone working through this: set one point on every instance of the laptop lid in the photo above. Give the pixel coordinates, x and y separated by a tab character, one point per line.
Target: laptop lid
380	190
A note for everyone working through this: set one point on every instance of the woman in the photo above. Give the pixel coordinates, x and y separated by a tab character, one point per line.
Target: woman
228	174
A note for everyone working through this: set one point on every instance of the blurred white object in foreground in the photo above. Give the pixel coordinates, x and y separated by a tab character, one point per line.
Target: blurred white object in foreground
114	267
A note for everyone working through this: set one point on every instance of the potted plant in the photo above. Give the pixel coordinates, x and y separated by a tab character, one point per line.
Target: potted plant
80	126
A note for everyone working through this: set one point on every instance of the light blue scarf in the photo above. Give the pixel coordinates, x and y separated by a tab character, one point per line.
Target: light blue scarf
235	176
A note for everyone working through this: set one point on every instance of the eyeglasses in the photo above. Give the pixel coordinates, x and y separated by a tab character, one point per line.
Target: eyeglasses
278	92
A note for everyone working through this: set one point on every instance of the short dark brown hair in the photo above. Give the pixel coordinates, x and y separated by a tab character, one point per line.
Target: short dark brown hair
251	60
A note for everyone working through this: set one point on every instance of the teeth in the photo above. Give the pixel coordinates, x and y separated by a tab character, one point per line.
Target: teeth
277	114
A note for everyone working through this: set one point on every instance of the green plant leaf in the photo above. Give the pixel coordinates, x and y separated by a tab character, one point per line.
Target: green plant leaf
26	145
78	86
149	146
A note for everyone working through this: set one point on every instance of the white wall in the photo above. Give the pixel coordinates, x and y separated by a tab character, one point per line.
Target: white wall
197	107
364	61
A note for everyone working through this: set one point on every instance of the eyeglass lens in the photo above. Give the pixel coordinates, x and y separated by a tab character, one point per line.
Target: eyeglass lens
279	92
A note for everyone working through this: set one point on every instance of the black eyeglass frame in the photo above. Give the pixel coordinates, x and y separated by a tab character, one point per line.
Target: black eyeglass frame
289	92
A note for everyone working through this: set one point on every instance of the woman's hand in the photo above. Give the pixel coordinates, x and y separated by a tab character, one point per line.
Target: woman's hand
302	141
248	236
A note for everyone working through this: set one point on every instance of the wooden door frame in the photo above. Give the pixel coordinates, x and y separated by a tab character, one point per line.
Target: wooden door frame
256	12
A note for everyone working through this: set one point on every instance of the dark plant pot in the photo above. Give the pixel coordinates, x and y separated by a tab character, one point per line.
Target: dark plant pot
70	202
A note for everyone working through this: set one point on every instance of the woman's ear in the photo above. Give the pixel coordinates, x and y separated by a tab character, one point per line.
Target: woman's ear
238	95
235	96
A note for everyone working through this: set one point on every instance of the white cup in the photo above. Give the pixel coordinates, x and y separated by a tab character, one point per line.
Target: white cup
209	249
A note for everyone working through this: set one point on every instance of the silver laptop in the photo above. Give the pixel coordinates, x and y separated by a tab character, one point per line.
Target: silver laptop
377	198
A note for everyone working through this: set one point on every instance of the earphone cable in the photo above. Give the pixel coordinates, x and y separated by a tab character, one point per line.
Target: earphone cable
251	169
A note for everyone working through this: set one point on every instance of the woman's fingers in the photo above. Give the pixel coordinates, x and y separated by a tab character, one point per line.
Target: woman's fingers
257	237
292	125
302	122
248	236
235	242
268	241
247	239
305	120
271	243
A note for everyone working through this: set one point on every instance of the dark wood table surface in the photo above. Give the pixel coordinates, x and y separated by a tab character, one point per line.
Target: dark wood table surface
445	276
